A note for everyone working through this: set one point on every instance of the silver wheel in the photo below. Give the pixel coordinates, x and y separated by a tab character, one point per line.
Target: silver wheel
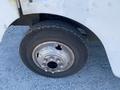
53	56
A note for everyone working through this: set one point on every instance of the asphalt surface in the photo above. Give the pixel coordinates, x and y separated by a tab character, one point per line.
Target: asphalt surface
14	75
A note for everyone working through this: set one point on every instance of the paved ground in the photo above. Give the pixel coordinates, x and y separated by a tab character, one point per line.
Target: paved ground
96	75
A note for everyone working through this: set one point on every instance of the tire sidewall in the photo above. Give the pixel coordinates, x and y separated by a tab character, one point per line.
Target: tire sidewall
62	35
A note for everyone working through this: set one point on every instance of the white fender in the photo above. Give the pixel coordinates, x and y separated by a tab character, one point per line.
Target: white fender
8	14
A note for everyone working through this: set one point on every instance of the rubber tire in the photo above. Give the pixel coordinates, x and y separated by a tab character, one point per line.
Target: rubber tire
53	31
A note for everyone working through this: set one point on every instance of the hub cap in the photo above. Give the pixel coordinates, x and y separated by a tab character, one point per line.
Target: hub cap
53	56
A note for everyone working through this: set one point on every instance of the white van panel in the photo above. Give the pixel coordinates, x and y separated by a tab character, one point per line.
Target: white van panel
8	14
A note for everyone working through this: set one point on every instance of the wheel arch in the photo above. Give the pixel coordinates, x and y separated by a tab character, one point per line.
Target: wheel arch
31	19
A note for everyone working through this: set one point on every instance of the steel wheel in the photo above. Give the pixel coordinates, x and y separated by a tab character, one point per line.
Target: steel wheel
53	56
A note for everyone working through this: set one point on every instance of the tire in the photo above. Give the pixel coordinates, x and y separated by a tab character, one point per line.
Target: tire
59	32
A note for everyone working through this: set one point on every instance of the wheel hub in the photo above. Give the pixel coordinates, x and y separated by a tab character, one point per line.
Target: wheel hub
53	56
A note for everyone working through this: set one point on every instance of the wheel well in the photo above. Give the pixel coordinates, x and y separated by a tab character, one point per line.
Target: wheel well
32	19
36	18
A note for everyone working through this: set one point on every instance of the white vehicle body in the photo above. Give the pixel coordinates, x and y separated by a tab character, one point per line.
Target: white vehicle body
101	16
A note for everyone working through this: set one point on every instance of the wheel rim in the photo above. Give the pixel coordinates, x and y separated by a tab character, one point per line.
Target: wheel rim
53	56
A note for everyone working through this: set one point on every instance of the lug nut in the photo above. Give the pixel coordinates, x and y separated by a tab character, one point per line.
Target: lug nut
58	60
53	72
61	66
51	59
58	70
44	61
46	70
